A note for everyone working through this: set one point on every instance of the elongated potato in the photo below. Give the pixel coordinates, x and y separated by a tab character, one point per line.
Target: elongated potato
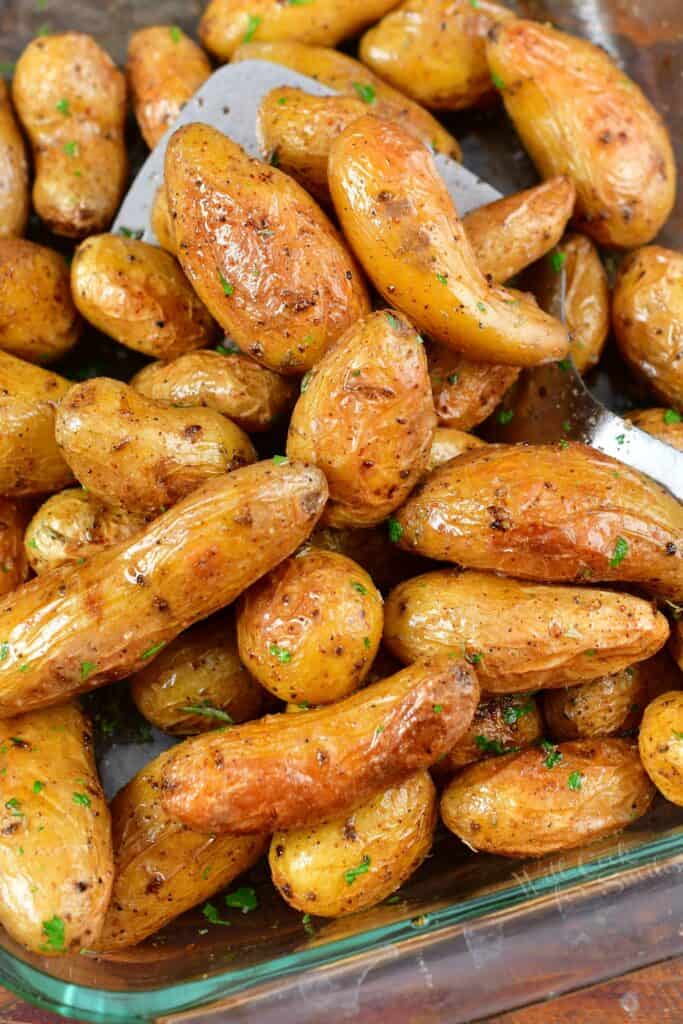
666	424
14	194
164	68
291	770
501	725
448	444
546	512
358	860
465	392
73	629
371	548
544	800
14	516
366	417
351	78
163	868
30	461
520	636
71	100
226	381
397	214
142	456
137	294
56	865
661	744
161	222
259	252
647	314
577	113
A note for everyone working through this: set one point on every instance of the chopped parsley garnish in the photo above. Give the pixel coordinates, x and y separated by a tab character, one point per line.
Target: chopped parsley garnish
282	100
134	233
175	33
672	416
32	543
437	709
452	378
280	460
211	914
64	107
359	587
253	22
393	321
557	260
505	416
53	930
395	530
676	734
14	806
481	307
308	927
4	651
574	781
513	713
154	649
564	364
497	80
442	278
365	91
207	711
281	653
225	285
87	669
38	786
351	874
619	554
82	799
474	657
366	642
563	443
243	899
553	755
306	380
494	747
71	148
299	3
227	349
620	438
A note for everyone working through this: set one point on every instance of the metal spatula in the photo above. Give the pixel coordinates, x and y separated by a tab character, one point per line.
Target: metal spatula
549	403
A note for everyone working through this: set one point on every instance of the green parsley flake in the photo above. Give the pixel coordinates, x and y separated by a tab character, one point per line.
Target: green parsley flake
553	755
574	781
38	787
352	874
365	91
366	642
513	713
563	443
505	416
63	107
53	930
253	22
442	278
71	148
175	33
306	380
211	914
243	899
280	460
207	711
225	285
481	307
308	927
82	799
32	543
359	587
282	100
87	669
14	806
151	651
437	709
134	233
620	552
281	653
494	747
676	734
620	438
474	657
227	349
393	321
452	378
557	260
395	530
4	651
672	416
564	365
497	80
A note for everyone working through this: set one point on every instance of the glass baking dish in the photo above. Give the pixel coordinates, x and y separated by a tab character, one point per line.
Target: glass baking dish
469	935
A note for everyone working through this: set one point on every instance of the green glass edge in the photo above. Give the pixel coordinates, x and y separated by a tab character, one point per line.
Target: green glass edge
104	1006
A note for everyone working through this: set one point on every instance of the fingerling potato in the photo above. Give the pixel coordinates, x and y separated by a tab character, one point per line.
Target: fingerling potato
502	724
161	222
14	516
666	424
14	193
358	860
465	393
661	744
448	444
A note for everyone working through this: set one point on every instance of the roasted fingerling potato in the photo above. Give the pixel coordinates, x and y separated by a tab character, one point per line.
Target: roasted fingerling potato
14	190
660	743
665	424
465	393
448	443
14	565
502	724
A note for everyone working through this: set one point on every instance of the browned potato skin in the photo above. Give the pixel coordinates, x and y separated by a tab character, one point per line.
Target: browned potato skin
137	294
77	628
393	830
232	384
286	771
343	73
56	855
676	643
647	314
14	516
386	190
520	636
161	222
325	612
163	868
138	454
71	67
661	744
465	392
30	461
660	423
448	444
14	195
577	113
164	68
38	319
516	806
546	512
231	214
501	724
366	417
371	548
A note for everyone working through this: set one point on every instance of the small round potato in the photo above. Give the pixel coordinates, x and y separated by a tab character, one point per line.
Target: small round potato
465	393
38	319
14	194
666	424
133	452
310	629
161	222
448	444
14	516
661	744
501	725
355	862
137	294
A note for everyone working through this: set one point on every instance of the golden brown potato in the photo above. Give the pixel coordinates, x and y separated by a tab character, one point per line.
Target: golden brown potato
647	314
448	444
520	636
71	100
666	424
501	725
162	868
577	113
259	252
30	461
38	319
164	68
14	516
138	454
310	629
358	860
366	417
56	865
73	629
14	198
137	294
661	744
287	771
676	641
351	78
548	512
371	548
465	393
397	214
161	222
232	384
544	800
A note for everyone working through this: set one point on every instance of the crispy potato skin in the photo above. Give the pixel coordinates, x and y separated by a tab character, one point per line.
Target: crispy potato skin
501	724
30	461
310	629
371	548
244	214
163	868
577	113
72	68
343	73
661	423
397	214
546	512
647	314
56	854
161	222
14	515
661	744
366	417
38	319
449	443
518	807
520	636
14	194
164	68
234	385
138	454
465	392
392	832
315	767
73	629
137	294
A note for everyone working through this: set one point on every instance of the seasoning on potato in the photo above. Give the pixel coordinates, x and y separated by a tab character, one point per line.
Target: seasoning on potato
71	100
14	192
448	444
661	744
665	424
502	724
465	393
14	565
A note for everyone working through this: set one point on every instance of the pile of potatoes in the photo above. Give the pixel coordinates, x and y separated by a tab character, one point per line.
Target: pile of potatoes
383	621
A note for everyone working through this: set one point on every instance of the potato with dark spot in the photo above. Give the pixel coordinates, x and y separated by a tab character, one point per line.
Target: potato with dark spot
448	444
465	393
665	424
14	193
14	566
501	725
661	744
